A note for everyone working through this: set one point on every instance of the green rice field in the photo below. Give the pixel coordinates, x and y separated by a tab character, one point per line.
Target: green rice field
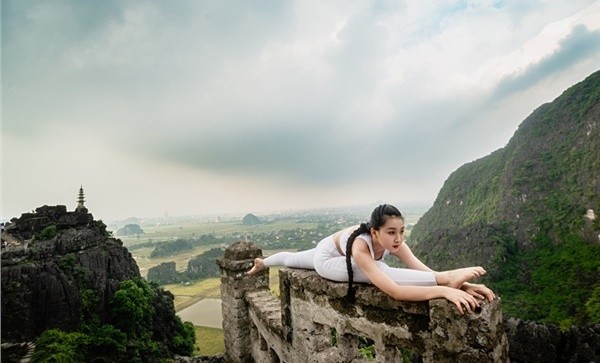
209	341
197	228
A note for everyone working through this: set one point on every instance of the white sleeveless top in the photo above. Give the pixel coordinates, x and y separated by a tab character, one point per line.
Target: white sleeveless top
365	236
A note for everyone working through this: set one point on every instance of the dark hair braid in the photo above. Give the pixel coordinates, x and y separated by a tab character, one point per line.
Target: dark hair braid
363	228
378	218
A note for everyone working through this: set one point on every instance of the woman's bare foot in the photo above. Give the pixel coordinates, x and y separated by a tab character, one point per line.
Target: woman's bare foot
259	265
455	278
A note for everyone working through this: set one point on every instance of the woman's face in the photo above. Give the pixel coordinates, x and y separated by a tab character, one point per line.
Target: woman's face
391	234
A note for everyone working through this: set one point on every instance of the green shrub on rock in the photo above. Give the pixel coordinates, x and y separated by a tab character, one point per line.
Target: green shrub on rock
128	335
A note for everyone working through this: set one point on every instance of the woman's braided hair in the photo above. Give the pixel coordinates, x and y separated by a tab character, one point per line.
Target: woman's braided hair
378	217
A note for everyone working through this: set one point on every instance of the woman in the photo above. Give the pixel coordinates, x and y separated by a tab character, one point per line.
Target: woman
356	255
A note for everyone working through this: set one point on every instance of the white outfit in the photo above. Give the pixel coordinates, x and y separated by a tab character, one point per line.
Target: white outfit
330	264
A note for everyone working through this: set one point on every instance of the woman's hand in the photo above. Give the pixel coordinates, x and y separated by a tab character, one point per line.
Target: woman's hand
479	291
461	299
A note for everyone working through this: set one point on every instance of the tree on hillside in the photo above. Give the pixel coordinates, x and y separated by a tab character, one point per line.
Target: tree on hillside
132	332
171	248
165	273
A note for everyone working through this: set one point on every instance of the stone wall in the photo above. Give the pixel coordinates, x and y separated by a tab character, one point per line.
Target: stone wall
313	322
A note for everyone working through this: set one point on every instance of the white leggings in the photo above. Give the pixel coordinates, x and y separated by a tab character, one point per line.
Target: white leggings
328	263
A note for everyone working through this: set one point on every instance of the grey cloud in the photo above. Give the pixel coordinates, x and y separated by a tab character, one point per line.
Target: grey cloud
303	151
312	149
301	128
580	44
114	50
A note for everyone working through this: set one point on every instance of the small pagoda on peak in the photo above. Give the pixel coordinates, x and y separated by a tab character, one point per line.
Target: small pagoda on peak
80	201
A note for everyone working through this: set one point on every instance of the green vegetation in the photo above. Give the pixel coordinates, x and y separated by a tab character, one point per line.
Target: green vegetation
204	265
57	346
366	348
209	341
129	230
562	283
165	273
406	354
47	233
592	306
189	294
181	244
250	220
333	334
67	262
224	231
520	212
139	246
201	266
284	233
171	248
129	335
144	261
227	232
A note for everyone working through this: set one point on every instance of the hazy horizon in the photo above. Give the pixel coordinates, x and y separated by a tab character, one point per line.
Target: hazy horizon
361	210
194	108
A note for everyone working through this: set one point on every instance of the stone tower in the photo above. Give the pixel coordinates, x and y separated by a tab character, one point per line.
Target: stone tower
80	201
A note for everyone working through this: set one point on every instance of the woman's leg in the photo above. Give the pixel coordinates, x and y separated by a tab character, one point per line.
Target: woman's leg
302	259
328	262
330	265
334	268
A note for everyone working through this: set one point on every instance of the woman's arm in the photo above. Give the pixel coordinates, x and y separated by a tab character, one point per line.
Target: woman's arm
405	255
364	260
452	278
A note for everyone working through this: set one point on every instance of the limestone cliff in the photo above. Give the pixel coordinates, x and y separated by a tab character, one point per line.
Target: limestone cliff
529	213
48	258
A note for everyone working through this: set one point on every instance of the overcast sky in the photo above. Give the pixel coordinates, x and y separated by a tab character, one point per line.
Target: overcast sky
196	107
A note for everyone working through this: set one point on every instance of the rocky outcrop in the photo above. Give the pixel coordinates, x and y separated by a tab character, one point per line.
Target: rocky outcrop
543	184
535	342
130	230
528	213
165	273
49	258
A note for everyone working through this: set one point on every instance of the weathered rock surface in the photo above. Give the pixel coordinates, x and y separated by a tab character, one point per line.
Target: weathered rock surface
165	273
535	342
50	257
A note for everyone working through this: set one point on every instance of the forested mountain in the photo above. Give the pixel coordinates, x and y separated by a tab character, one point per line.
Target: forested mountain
529	213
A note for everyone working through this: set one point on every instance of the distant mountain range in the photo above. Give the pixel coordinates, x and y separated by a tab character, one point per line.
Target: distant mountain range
530	213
